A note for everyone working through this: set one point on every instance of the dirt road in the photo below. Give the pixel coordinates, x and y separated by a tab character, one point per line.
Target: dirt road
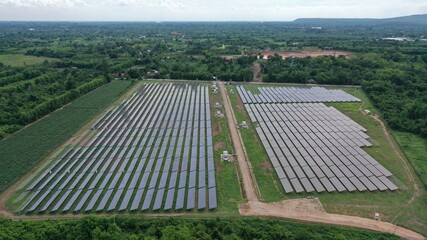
256	71
238	148
396	151
301	209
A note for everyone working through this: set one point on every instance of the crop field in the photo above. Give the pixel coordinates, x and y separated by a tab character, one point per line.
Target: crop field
17	60
24	150
152	152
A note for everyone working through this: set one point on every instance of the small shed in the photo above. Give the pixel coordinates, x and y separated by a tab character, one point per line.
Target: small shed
219	114
225	156
243	125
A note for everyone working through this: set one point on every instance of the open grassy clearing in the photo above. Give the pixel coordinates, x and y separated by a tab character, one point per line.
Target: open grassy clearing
19	60
23	150
388	204
415	149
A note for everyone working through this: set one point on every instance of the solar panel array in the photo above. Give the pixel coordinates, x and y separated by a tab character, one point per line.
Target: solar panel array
295	95
154	151
315	148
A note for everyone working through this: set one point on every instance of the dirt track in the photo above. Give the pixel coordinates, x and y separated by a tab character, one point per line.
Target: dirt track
307	53
396	151
301	209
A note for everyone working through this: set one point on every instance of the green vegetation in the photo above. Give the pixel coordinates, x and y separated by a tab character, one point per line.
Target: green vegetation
24	150
359	204
396	82
270	188
19	60
175	228
415	149
84	56
227	179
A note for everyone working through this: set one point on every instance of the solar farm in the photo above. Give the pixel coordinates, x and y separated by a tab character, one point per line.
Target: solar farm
312	147
152	152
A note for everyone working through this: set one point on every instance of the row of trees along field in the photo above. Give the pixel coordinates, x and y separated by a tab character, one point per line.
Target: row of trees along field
177	229
27	94
392	73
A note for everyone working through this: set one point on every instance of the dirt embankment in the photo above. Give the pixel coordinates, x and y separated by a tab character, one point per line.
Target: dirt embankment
307	53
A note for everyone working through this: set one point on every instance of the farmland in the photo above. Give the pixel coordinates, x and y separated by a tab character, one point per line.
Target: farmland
19	60
24	150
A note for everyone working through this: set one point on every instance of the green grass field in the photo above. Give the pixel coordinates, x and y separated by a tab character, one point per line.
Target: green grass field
19	60
23	150
388	204
415	149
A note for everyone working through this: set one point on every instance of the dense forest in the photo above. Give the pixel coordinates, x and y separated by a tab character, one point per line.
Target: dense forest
173	228
82	56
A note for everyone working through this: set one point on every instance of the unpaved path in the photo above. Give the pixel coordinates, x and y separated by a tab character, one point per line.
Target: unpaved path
301	209
256	71
238	148
396	151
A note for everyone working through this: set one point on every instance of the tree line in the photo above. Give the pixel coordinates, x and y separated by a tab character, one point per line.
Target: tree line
177	229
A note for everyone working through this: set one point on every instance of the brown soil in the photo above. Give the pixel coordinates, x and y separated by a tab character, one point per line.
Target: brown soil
307	53
217	128
219	145
256	71
266	165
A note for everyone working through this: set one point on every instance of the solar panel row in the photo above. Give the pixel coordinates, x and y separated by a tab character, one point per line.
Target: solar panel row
158	139
313	147
294	95
318	157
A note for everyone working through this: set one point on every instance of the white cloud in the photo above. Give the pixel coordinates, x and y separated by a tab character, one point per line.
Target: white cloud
44	3
204	10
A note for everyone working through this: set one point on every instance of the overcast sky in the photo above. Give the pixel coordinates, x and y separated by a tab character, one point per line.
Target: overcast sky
203	10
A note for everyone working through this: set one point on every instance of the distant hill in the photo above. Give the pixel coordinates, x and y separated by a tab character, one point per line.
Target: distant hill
414	20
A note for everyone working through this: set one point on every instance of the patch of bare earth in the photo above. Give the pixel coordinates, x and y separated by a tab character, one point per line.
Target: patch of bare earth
307	53
256	71
219	146
217	128
266	165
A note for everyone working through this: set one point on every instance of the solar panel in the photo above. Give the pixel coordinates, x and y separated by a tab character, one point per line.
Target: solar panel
191	197
180	199
159	199
126	199
388	183
212	198
297	186
137	200
101	205
201	202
